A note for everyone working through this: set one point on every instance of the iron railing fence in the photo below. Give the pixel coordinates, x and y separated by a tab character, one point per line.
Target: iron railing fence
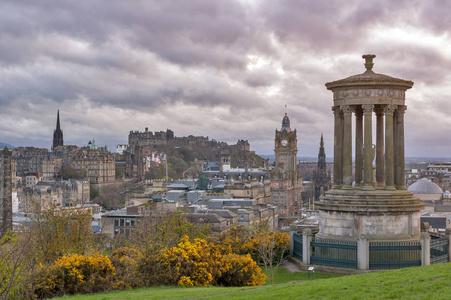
439	250
335	253
394	254
297	246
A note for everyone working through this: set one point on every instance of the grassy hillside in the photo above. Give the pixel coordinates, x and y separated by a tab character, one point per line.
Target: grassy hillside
432	282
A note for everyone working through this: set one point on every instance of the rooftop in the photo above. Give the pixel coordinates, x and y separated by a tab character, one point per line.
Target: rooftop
424	186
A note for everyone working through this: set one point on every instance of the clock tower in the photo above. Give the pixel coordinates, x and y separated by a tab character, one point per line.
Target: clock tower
286	184
286	148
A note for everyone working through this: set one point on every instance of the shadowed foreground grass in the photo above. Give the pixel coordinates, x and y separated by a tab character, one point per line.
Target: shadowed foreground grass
432	282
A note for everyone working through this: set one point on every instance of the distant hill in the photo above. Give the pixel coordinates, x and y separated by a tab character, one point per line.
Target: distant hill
3	145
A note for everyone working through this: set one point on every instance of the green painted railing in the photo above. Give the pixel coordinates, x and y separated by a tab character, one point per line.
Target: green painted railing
297	246
335	253
439	250
394	254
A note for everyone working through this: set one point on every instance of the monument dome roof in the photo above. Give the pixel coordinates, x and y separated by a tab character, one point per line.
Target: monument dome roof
369	78
424	186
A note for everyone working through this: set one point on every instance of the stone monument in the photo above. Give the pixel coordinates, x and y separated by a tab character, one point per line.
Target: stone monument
357	206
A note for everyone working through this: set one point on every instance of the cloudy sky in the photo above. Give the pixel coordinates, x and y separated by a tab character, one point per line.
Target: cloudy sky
219	68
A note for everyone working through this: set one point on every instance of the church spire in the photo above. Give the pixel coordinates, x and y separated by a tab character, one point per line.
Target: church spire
321	153
321	177
57	133
58	120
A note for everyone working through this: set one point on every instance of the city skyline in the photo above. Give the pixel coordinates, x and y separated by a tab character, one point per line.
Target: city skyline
149	65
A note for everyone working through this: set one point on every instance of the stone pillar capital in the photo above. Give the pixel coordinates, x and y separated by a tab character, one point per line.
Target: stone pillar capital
336	110
368	108
346	109
389	109
401	109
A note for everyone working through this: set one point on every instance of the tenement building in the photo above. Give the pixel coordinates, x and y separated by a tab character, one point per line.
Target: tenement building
373	204
286	183
46	195
98	164
6	213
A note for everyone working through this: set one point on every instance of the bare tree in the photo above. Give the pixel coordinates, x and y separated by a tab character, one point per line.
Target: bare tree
15	264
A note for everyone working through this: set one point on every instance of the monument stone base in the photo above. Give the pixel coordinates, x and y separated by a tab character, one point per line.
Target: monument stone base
375	214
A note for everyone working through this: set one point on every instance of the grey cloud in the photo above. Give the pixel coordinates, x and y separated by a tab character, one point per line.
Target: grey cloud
113	66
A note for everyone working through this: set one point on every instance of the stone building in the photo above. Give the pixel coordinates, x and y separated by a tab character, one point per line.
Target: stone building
98	164
375	207
427	191
53	194
29	160
6	212
259	191
286	183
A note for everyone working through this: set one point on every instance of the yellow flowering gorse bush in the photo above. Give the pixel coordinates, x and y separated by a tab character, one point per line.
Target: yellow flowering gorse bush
75	274
200	263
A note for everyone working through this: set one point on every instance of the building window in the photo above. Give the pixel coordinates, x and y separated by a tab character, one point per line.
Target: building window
116	222
122	222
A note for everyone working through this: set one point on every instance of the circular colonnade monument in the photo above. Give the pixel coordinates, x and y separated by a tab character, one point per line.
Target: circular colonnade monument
369	203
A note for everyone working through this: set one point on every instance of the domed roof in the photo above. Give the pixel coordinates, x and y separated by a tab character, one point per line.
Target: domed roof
369	78
286	122
424	186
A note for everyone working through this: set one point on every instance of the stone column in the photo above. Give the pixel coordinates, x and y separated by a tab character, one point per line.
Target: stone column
347	146
368	145
380	147
425	245
307	236
363	257
338	142
389	163
358	146
400	180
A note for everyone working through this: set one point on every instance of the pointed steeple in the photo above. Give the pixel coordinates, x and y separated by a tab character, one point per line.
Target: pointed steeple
322	152
57	133
321	179
58	120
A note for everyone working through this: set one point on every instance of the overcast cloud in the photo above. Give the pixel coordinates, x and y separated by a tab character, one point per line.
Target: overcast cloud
224	69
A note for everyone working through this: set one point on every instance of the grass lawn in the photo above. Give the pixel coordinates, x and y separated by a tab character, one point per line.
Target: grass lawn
432	282
282	275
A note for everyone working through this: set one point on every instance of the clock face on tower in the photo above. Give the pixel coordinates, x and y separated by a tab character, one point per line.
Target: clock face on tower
284	143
